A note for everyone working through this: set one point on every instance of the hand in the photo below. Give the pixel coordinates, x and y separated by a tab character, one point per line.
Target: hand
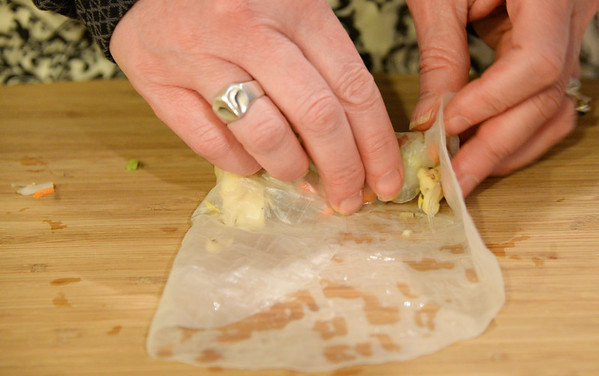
517	109
179	54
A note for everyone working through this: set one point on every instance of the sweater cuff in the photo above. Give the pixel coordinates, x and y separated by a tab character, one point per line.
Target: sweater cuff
100	17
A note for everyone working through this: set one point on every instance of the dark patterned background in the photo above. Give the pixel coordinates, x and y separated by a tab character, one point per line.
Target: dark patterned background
37	46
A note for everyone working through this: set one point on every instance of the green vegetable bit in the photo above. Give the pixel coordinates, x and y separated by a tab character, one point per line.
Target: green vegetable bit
132	165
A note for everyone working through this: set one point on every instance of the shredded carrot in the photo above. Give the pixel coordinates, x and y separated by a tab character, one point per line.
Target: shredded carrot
43	192
369	196
433	153
306	187
327	211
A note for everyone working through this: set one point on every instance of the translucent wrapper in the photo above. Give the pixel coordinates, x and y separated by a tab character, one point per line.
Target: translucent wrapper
267	277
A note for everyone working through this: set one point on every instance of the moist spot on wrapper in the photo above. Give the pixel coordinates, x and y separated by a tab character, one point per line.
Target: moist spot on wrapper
425	317
386	342
363	348
471	275
331	328
276	317
358	239
187	333
375	312
208	356
338	353
428	264
456	249
405	291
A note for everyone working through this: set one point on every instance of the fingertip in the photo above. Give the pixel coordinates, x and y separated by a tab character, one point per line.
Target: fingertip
350	204
424	113
388	185
244	166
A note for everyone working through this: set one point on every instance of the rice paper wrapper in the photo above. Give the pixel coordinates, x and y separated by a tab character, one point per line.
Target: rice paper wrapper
311	291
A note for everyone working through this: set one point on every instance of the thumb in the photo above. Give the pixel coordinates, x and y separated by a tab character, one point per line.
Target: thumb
444	57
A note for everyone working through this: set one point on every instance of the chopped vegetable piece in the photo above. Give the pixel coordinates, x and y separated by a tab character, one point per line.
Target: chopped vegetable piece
211	207
29	189
43	192
132	165
431	192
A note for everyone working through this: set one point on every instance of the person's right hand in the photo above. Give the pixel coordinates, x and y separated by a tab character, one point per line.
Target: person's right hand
179	54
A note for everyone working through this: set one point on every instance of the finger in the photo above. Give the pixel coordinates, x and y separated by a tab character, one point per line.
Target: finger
499	137
305	98
535	61
267	136
192	119
263	130
345	73
556	129
444	58
549	134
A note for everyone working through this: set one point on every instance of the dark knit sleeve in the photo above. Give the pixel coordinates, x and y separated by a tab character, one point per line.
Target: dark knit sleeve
100	17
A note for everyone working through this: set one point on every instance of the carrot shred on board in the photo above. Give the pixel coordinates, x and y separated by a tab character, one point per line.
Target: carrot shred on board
43	192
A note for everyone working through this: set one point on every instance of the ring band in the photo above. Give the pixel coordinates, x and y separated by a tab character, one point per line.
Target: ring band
583	103
233	102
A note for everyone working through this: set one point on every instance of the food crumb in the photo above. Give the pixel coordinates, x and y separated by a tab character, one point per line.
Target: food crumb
132	165
37	190
406	215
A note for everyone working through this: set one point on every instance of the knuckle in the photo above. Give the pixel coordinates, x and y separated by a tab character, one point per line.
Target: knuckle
346	177
232	8
211	145
438	57
506	168
496	152
268	135
321	113
548	102
495	100
548	67
378	145
356	87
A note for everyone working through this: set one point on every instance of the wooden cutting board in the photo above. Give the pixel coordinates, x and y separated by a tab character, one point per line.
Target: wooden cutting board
81	271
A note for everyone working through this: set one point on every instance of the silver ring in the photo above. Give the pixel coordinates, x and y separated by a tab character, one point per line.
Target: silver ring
233	102
583	103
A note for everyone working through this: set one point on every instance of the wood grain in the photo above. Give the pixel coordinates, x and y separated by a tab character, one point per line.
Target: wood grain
81	271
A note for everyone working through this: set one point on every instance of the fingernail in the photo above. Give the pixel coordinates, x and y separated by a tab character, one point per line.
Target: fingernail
468	183
457	125
350	204
423	111
388	185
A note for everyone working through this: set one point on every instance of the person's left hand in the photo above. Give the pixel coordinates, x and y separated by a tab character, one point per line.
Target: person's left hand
517	109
